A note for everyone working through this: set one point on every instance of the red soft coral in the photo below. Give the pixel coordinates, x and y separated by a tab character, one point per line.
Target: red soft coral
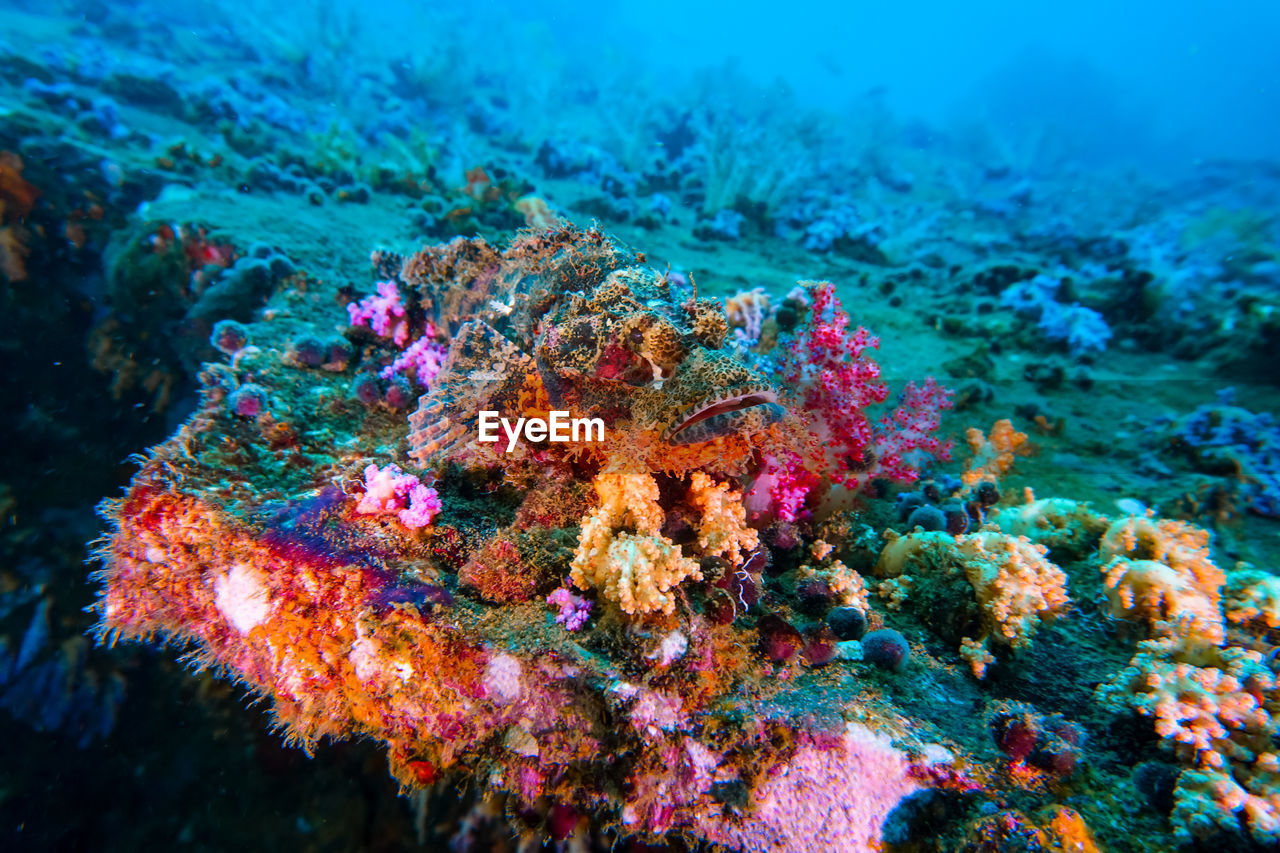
837	382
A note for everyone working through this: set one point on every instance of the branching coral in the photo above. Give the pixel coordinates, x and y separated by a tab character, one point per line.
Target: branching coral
635	570
837	383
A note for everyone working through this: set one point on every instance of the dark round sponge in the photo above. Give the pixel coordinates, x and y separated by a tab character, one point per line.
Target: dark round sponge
886	649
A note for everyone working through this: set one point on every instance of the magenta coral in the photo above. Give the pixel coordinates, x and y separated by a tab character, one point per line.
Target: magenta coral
837	382
422	359
574	609
382	312
389	490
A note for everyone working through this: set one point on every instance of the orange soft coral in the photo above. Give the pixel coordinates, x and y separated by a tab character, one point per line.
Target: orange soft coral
993	455
18	195
722	528
636	571
1014	585
1159	572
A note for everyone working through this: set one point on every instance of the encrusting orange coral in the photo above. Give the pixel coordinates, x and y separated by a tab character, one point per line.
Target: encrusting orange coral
1160	572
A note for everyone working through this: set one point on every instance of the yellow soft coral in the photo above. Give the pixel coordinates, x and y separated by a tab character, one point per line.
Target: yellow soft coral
639	570
1160	573
636	571
629	500
722	528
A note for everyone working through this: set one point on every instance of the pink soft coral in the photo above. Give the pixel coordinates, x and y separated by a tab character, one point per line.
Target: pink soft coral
574	609
389	490
382	312
422	359
837	382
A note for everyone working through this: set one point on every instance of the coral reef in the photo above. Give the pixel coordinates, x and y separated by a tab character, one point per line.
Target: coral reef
750	602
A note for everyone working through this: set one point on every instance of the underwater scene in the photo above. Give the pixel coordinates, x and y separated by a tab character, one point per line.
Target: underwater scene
640	426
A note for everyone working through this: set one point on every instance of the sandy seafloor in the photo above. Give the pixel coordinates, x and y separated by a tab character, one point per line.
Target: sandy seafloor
186	761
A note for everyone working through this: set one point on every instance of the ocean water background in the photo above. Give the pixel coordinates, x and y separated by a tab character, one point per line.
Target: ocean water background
1141	82
123	749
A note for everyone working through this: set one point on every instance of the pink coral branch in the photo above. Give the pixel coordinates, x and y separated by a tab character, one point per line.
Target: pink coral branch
838	382
383	312
391	491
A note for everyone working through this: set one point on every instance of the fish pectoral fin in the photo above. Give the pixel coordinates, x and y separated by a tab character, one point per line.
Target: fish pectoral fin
483	371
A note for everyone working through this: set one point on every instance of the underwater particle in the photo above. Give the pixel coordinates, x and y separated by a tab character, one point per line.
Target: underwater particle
308	351
847	623
248	401
886	649
366	389
928	517
229	337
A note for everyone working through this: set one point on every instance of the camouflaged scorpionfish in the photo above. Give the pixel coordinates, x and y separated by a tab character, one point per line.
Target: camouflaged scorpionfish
608	337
